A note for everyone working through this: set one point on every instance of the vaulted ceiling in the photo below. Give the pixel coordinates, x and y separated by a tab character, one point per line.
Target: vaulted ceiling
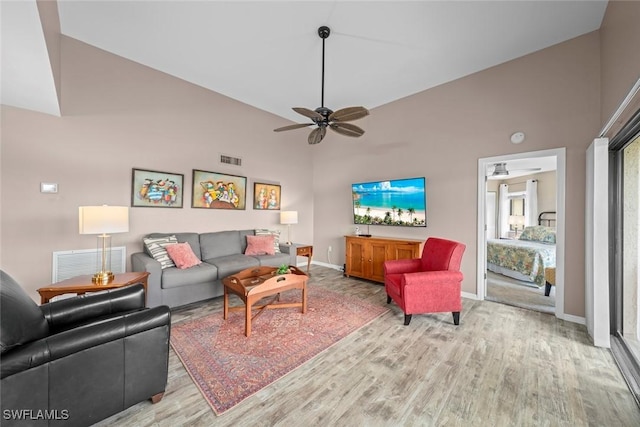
268	54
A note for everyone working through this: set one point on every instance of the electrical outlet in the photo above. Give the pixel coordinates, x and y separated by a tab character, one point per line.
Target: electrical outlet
330	248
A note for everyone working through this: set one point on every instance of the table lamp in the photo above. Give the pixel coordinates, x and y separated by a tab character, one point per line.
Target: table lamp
289	217
516	222
103	221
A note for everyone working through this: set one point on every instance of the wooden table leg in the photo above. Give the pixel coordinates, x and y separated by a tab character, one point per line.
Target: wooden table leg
304	298
247	318
225	304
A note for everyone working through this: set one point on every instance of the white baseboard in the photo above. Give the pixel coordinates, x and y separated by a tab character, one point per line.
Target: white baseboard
324	264
469	295
574	319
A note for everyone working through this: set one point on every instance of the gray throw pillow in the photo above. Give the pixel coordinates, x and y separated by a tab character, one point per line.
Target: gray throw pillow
156	247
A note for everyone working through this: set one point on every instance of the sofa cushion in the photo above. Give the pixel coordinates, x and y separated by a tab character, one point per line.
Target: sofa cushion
275	260
182	255
231	264
201	273
259	245
219	244
21	320
156	247
274	233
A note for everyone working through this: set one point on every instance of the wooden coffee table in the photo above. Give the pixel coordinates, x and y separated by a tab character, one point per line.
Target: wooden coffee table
82	284
253	284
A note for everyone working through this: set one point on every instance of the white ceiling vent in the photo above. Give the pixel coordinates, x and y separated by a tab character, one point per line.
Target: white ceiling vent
230	160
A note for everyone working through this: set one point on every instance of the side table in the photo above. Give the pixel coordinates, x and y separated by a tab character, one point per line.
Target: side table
82	284
303	250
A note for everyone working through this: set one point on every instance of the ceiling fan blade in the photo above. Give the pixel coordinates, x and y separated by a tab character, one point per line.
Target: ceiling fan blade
308	113
347	129
348	114
291	127
316	135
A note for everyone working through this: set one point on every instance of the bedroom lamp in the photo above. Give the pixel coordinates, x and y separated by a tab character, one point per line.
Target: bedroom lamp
288	218
512	222
516	221
103	221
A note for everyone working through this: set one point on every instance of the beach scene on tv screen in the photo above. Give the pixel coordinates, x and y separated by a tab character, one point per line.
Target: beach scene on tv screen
400	202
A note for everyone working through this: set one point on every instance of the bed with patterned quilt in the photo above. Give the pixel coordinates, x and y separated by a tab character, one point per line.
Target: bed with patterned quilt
526	258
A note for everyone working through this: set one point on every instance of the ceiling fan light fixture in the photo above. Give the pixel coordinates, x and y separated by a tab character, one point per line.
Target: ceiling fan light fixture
324	117
500	170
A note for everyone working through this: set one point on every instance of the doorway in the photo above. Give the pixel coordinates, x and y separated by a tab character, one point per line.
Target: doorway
484	221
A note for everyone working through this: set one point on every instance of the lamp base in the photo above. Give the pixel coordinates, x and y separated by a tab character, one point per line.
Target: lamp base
102	278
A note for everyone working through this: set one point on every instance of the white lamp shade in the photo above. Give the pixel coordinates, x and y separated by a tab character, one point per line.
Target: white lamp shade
289	217
103	219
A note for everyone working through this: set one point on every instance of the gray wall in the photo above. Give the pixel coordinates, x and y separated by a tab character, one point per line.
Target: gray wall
119	115
551	95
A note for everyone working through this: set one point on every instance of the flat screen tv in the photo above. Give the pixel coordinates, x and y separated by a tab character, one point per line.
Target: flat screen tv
400	202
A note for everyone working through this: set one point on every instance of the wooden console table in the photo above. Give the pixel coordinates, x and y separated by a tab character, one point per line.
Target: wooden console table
82	284
365	256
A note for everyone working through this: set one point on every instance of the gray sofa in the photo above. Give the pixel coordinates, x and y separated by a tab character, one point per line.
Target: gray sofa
222	254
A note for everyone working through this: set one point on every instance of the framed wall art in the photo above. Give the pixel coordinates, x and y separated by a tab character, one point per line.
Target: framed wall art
155	189
266	196
213	190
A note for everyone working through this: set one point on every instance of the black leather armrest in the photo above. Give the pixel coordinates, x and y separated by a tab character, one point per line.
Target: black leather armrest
84	337
70	311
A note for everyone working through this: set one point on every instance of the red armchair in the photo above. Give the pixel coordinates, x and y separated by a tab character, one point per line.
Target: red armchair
431	284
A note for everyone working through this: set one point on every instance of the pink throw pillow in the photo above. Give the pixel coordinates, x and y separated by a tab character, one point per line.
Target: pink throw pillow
182	255
259	245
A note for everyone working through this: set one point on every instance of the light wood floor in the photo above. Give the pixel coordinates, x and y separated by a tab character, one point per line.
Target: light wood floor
503	366
507	290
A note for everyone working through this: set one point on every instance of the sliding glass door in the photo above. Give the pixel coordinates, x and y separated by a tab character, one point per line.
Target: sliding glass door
630	224
625	242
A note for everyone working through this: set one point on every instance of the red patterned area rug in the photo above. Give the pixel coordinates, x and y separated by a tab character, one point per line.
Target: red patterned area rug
228	367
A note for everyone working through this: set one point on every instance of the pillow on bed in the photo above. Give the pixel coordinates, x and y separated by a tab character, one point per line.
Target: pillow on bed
539	233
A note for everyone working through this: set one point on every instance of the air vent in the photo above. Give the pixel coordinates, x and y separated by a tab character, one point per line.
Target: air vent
229	160
67	264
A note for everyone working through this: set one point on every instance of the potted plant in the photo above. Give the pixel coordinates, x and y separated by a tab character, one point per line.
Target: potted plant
283	269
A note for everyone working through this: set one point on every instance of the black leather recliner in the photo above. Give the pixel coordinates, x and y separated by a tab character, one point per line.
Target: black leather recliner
79	360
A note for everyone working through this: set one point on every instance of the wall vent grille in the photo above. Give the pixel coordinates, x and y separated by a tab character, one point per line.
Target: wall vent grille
230	160
68	264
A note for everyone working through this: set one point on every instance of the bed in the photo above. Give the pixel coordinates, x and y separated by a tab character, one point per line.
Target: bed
526	258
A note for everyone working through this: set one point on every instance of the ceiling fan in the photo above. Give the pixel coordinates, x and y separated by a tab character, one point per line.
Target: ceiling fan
325	118
500	169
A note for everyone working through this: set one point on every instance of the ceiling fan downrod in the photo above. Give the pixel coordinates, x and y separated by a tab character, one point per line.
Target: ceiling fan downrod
323	32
